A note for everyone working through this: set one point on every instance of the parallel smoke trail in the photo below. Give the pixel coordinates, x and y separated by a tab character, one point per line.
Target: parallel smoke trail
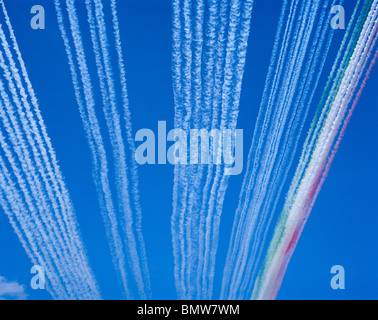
316	62
325	104
44	140
212	103
39	130
184	171
37	185
177	92
195	178
15	207
298	206
91	135
107	85
213	53
38	240
32	179
279	131
109	115
121	160
207	74
262	112
12	204
49	233
91	126
281	169
120	208
130	140
232	90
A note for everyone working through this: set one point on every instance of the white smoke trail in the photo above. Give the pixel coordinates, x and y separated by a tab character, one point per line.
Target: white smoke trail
181	185
123	237
47	152
195	171
252	183
213	102
39	186
204	102
119	154
238	71
295	126
221	111
209	58
105	75
340	68
60	256
272	161
276	136
231	255
66	250
36	189
134	174
91	125
304	97
37	238
177	91
14	207
269	281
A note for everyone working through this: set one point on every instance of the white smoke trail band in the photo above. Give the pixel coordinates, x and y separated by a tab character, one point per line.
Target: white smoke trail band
297	209
50	234
122	216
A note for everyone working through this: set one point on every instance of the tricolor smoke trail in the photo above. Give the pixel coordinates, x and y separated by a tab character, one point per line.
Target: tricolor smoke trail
32	190
319	151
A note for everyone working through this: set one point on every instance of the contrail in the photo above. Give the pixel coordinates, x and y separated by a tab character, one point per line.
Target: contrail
120	207
239	26
177	95
91	125
324	104
43	242
267	167
14	207
191	231
181	183
208	64
298	206
263	112
230	107
133	169
49	233
214	102
105	75
37	185
213	53
305	95
39	130
36	188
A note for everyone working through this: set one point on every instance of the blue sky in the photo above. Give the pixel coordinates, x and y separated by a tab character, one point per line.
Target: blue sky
342	226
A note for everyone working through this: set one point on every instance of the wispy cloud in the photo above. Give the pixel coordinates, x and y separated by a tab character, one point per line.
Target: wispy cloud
11	290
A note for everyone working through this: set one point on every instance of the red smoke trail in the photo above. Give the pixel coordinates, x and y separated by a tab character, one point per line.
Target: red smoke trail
319	182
